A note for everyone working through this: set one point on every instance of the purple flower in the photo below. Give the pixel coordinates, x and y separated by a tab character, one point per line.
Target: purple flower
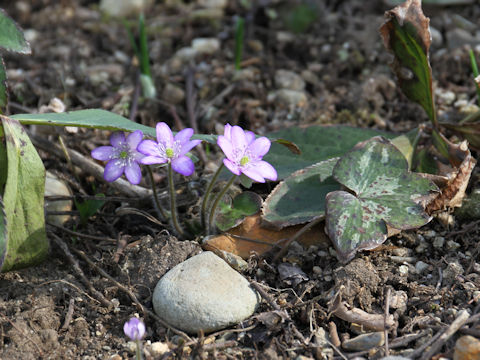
244	154
122	157
134	329
170	149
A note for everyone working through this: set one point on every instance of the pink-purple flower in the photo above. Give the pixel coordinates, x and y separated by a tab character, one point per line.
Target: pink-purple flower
122	157
134	329
244	154
169	148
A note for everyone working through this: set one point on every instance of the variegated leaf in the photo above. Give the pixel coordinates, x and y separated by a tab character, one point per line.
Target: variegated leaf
384	192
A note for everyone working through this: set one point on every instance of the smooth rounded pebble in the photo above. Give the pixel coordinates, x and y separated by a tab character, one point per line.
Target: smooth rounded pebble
204	293
364	342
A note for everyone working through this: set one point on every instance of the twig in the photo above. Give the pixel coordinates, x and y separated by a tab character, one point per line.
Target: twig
68	317
86	236
387	312
462	317
332	331
132	296
61	244
69	284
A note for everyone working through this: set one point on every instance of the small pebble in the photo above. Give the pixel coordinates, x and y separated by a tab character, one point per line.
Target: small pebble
467	348
452	245
420	267
159	348
438	242
403	270
286	79
364	342
206	46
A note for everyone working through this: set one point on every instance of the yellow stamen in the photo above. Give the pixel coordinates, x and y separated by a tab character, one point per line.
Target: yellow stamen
169	152
244	160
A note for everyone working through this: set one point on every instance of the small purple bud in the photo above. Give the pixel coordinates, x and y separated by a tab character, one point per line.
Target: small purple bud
134	329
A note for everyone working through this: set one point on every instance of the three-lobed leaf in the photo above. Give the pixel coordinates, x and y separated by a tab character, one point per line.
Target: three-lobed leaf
244	204
383	192
316	143
23	199
300	198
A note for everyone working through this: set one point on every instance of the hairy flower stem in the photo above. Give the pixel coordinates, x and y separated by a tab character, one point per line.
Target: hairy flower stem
138	352
163	214
219	197
173	205
206	196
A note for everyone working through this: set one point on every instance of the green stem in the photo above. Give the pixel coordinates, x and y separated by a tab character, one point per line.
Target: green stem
173	206
206	196
139	353
475	73
163	214
211	218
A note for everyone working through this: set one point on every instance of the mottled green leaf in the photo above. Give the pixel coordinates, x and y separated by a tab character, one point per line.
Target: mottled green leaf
300	198
383	192
316	143
406	34
23	200
11	37
245	204
3	87
89	207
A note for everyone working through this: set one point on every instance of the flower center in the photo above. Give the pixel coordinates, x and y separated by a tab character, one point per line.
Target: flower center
123	154
244	160
169	152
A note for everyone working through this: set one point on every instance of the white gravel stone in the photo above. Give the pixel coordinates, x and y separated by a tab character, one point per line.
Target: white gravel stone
286	79
420	267
206	46
204	293
403	270
438	242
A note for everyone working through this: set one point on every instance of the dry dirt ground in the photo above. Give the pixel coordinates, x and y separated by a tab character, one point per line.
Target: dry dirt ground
67	308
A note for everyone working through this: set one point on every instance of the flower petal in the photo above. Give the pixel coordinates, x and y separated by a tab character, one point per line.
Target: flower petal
150	147
239	140
259	147
226	146
231	166
183	165
134	139
250	136
188	146
253	174
266	170
113	170
103	153
184	135
227	132
150	160
164	134
117	138
133	173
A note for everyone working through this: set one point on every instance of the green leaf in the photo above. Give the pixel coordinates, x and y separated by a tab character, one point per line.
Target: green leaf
300	198
245	204
317	143
407	144
3	160
3	233
406	34
3	87
23	199
89	208
383	192
94	118
11	37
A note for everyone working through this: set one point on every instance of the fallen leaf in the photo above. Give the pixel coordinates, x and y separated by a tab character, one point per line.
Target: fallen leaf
251	236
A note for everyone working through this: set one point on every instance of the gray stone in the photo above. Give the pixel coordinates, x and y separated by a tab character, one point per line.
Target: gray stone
364	342
286	79
458	37
204	293
438	242
288	97
173	94
206	46
394	357
122	8
420	267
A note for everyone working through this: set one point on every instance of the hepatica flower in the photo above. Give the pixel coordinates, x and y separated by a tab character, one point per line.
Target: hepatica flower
170	149
122	157
244	154
134	329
